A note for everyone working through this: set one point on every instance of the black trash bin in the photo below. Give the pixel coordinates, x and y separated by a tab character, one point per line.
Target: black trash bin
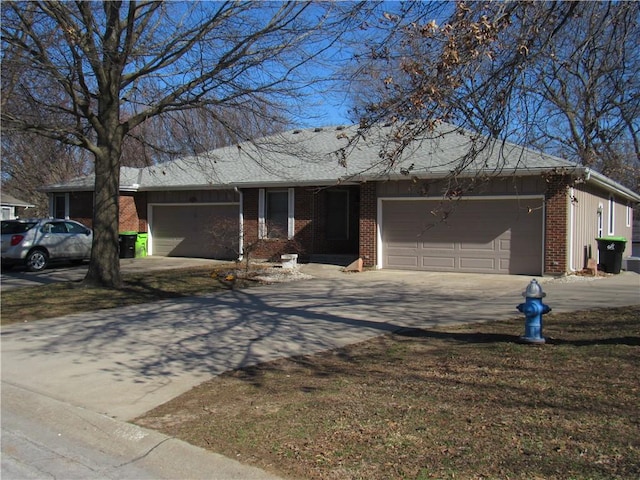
127	242
610	250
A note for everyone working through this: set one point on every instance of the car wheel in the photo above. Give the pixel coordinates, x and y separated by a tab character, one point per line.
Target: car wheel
37	260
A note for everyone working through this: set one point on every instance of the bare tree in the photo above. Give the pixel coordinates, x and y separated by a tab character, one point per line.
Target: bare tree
588	90
30	161
94	72
198	130
561	76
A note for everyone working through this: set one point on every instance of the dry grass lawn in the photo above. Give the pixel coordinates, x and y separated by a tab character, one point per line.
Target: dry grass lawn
64	298
465	402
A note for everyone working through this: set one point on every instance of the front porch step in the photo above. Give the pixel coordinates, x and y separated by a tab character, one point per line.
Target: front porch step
341	260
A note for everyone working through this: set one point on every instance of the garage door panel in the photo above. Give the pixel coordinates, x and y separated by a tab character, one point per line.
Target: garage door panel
400	261
400	244
484	236
438	245
440	262
470	263
471	247
190	231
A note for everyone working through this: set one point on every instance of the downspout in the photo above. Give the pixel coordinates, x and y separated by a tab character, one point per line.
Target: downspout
241	230
379	220
571	229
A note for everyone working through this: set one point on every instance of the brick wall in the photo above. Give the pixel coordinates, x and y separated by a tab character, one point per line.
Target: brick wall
304	220
368	219
556	226
133	212
141	208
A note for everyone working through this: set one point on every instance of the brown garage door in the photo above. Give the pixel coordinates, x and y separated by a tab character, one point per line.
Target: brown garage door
480	236
204	231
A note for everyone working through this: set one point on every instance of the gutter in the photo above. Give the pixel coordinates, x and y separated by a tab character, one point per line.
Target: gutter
591	176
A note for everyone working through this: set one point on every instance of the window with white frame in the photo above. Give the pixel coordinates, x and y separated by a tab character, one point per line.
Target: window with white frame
275	213
629	215
612	221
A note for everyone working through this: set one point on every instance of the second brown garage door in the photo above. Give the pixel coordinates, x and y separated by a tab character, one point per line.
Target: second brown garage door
202	231
478	236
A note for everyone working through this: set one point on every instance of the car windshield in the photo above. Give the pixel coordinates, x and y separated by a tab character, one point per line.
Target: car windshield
13	228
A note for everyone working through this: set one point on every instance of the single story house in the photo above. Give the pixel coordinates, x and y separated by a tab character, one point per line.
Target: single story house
510	210
13	207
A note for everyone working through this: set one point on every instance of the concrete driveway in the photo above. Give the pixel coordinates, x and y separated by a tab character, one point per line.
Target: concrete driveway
125	361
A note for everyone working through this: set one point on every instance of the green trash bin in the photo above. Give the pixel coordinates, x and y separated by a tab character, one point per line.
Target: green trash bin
127	243
611	250
141	244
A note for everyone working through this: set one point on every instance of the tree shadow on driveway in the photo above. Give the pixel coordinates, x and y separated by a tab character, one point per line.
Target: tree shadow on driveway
125	361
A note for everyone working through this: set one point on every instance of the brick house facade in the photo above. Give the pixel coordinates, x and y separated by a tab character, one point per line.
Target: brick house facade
539	210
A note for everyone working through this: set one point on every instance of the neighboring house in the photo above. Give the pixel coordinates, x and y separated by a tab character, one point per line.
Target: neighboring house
13	207
523	212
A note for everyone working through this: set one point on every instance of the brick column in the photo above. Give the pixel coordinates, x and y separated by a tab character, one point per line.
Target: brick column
368	220
556	225
129	219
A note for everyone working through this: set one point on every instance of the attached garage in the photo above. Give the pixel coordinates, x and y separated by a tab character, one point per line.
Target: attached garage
477	235
203	231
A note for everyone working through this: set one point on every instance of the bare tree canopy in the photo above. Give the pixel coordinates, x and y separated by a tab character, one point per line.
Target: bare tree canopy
31	161
88	74
559	76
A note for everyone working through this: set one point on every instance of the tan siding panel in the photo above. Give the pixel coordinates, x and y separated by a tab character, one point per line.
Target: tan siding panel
585	223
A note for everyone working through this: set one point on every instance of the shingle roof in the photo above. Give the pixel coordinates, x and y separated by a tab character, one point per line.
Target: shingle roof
300	157
7	199
310	157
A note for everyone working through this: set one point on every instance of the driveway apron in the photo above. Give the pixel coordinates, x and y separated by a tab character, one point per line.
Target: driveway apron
123	362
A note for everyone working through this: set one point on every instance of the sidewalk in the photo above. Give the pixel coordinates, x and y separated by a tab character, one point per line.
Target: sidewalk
43	438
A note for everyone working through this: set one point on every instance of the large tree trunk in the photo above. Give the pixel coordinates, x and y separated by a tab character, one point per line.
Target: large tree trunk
104	268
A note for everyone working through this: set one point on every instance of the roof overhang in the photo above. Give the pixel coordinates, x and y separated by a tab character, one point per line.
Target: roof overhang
595	178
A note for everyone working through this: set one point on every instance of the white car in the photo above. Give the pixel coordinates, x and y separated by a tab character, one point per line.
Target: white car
36	242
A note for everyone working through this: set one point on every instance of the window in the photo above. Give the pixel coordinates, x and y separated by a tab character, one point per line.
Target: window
75	228
56	227
612	220
629	215
275	213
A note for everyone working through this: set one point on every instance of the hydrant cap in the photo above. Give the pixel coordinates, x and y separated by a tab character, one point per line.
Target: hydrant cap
534	290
